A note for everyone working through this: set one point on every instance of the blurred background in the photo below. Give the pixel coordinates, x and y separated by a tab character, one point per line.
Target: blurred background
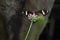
52	29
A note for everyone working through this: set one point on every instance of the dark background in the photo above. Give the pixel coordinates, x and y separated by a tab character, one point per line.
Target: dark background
48	33
55	14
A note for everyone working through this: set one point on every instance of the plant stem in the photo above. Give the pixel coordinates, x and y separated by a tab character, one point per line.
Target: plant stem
29	30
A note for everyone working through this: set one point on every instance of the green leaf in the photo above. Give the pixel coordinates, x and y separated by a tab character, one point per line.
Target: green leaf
41	20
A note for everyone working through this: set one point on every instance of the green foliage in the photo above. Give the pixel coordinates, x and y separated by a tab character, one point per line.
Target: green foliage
41	20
